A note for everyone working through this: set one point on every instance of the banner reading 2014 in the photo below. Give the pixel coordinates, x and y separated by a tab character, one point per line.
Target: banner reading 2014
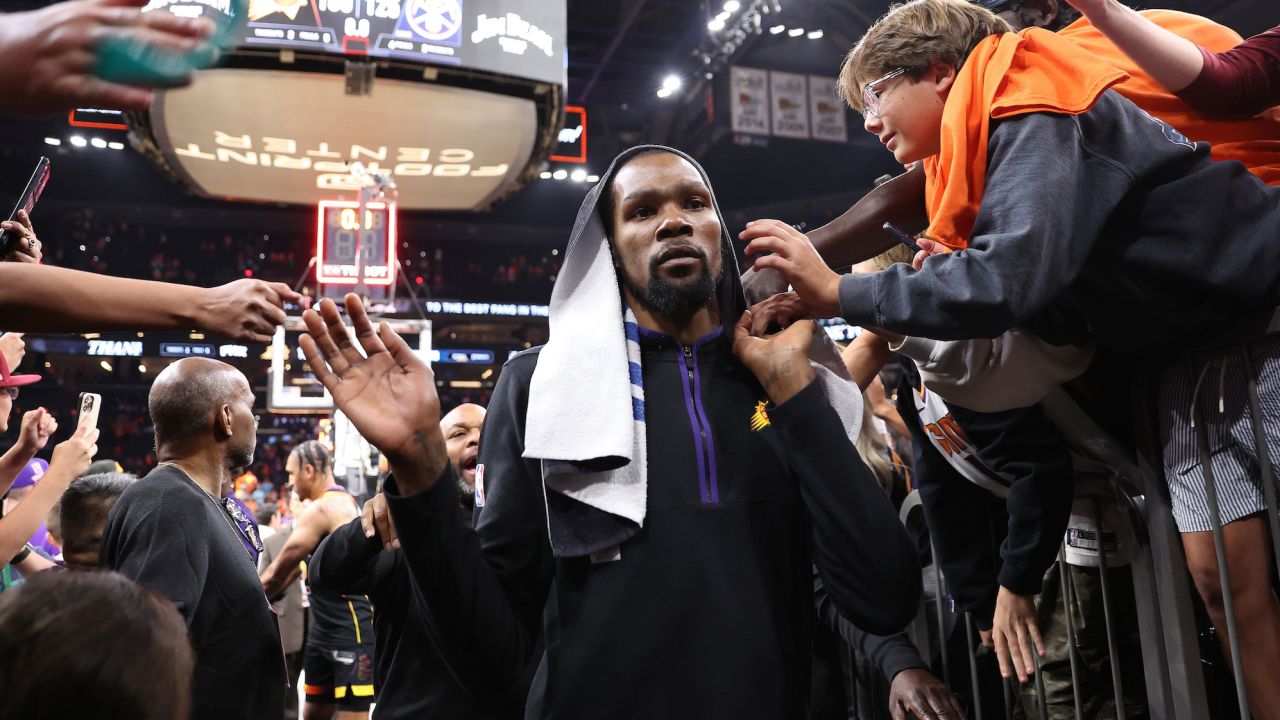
749	100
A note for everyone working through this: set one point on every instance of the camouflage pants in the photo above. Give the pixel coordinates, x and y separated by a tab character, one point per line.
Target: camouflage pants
1097	696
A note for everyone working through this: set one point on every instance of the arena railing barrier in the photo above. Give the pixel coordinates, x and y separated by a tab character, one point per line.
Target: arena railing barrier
1163	596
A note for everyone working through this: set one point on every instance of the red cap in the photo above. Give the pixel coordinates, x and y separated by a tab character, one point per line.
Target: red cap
7	380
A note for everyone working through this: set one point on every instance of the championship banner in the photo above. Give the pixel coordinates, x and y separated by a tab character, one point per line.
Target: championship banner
749	100
826	110
790	108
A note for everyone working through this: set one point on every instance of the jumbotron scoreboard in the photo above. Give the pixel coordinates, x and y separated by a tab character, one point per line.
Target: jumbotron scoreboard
511	37
459	101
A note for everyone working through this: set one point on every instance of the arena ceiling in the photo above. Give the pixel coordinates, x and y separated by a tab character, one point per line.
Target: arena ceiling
618	54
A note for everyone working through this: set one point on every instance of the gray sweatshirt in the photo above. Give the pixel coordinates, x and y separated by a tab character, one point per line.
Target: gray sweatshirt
1109	225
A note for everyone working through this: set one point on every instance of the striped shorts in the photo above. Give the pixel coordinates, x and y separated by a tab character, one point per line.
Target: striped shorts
1223	407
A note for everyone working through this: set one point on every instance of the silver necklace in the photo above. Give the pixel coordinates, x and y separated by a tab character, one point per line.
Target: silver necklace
224	512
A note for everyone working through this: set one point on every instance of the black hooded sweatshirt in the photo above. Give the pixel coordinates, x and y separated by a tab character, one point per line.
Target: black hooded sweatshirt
708	611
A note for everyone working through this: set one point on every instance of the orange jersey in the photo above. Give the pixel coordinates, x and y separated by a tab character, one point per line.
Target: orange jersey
1253	141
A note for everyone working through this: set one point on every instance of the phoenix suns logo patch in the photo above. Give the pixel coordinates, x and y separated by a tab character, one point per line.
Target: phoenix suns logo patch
760	418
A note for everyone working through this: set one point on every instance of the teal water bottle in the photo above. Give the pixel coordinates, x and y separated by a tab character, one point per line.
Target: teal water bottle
131	61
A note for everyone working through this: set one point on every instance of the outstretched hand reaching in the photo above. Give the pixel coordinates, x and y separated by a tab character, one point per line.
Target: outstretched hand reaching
388	393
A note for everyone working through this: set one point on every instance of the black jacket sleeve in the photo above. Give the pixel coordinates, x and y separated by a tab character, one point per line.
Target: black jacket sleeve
891	653
345	562
485	588
965	522
1023	444
865	557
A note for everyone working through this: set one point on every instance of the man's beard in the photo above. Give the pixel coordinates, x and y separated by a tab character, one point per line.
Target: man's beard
242	457
678	302
466	493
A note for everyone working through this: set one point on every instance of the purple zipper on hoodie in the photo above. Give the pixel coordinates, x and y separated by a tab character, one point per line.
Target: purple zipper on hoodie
704	440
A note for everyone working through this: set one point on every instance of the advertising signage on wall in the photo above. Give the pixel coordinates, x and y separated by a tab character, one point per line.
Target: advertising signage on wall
510	37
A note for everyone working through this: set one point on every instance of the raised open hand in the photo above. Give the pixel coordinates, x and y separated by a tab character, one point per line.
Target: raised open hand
388	392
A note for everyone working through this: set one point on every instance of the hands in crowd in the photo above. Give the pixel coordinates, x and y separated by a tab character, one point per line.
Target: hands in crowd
14	348
790	253
786	256
37	427
917	693
245	309
387	392
47	56
1013	631
72	456
376	522
26	247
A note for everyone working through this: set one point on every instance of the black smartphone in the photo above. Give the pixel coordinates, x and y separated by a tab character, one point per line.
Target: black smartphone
901	236
27	201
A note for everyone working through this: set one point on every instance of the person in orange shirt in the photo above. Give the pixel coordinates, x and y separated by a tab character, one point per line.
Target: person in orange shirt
1083	218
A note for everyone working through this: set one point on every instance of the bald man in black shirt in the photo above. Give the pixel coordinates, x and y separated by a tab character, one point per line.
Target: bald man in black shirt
175	533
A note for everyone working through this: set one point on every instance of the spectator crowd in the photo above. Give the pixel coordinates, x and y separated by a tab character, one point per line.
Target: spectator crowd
689	502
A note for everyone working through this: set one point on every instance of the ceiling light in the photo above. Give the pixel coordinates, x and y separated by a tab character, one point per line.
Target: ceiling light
715	25
142	368
52	141
78	141
590	179
795	32
777	29
105	365
98	143
815	35
671	82
578	175
664	93
560	174
546	175
732	6
115	145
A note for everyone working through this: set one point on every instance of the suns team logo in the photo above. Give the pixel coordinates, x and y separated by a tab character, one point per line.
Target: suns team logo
760	418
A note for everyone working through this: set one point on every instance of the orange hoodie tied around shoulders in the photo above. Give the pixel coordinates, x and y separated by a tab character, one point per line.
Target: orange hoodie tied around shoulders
1038	71
1006	75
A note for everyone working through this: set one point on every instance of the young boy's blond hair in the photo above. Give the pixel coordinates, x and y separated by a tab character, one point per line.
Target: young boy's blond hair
913	36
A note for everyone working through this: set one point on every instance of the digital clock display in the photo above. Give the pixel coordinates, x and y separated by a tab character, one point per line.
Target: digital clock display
351	252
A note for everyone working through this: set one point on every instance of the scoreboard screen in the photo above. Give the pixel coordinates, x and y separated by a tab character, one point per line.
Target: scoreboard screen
522	38
351	252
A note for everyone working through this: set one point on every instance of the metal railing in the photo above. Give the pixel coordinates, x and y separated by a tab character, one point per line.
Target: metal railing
1162	595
